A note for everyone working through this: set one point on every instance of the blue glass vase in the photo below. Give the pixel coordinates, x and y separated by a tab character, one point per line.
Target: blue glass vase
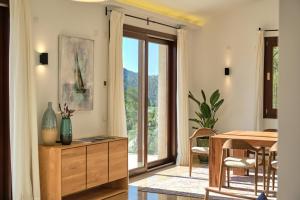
49	126
66	131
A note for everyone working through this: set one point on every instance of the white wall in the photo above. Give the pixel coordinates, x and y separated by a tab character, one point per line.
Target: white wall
52	18
230	39
289	98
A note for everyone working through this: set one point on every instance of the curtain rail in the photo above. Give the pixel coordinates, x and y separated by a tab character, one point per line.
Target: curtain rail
146	19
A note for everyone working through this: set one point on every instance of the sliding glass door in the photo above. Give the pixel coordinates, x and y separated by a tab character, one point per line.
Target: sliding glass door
157	101
147	88
133	66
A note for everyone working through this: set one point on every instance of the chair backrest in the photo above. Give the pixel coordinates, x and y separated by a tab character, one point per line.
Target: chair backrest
270	130
274	147
203	132
238	144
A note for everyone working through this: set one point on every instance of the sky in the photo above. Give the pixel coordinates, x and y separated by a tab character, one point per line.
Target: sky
130	56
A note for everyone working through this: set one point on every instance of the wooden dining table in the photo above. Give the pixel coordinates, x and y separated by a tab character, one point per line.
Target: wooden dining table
255	138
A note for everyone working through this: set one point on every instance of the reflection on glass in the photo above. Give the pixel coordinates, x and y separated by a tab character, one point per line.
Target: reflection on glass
157	102
275	76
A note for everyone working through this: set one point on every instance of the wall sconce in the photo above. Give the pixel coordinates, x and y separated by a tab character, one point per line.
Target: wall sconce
44	58
226	71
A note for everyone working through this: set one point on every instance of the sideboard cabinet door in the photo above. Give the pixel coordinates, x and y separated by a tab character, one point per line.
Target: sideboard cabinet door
97	164
118	164
73	170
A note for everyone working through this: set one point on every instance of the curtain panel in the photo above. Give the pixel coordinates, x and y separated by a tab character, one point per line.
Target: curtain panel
23	111
259	81
116	101
182	99
162	108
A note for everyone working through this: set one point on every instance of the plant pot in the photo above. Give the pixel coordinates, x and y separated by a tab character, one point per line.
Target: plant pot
66	131
203	142
49	126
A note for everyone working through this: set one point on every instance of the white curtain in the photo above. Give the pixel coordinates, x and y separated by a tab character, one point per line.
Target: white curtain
182	99
259	81
23	111
162	114
116	101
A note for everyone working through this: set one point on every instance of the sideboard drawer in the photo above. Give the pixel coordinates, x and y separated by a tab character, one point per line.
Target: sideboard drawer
118	164
73	166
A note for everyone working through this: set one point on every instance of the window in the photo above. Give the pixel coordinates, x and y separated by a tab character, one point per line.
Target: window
271	75
149	77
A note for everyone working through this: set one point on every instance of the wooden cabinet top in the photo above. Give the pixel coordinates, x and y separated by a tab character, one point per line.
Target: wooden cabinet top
83	142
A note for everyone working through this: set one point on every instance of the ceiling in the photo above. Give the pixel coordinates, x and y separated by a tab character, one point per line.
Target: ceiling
191	11
204	8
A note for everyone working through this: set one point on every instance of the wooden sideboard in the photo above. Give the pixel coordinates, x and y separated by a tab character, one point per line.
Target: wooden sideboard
93	170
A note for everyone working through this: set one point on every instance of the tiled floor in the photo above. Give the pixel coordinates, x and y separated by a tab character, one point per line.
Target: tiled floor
134	194
175	180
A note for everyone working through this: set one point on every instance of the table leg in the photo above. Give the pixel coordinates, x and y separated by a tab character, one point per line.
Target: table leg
215	148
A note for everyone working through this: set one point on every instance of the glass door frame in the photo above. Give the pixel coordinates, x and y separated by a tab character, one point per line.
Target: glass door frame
165	39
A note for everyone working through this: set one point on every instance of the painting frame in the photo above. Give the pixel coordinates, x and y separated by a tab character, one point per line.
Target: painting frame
76	72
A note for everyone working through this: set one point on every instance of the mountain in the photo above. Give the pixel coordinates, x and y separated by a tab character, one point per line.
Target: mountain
131	81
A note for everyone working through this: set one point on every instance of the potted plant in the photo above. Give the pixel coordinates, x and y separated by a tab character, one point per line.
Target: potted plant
206	115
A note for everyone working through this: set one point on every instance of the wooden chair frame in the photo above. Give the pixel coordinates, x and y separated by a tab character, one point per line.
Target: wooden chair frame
271	169
239	145
199	133
266	150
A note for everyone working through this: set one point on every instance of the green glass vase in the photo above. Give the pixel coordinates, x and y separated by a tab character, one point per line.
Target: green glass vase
49	126
66	131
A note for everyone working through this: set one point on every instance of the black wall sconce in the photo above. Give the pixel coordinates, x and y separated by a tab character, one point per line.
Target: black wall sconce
226	71
44	58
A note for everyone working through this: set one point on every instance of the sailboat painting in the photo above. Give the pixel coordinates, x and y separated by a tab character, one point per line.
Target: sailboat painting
76	72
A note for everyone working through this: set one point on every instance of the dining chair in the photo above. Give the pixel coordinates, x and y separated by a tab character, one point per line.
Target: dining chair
229	161
266	149
272	166
195	150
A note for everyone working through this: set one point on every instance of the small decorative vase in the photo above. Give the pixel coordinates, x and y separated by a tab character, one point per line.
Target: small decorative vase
66	131
49	126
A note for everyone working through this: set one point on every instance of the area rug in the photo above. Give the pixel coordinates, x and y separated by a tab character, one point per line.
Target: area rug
176	181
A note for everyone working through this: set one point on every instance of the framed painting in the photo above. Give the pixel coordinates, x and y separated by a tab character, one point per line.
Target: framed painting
76	72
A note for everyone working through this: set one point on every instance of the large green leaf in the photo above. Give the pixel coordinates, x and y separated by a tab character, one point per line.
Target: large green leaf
201	121
218	104
205	110
203	95
195	120
191	96
199	115
214	97
208	123
211	123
